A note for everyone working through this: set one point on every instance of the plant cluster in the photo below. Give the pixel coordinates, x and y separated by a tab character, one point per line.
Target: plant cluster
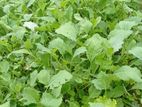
70	53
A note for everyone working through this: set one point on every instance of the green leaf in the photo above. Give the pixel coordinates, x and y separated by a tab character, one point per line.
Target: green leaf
78	17
103	81
33	78
7	104
116	92
127	73
137	52
30	25
4	66
59	44
4	28
27	17
79	51
48	100
56	91
1	12
42	48
121	32
30	3
19	32
30	95
120	102
68	13
96	21
103	102
137	86
126	25
68	30
73	104
96	45
6	8
21	51
59	79
69	53
44	77
118	35
84	24
93	92
42	4
28	44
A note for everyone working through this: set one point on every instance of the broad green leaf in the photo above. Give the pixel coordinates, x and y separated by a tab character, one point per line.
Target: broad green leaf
4	28
33	78
137	52
103	102
84	24
21	51
28	44
79	51
59	79
7	104
138	1
118	35
131	44
1	12
5	79
42	4
59	44
78	17
110	10
127	73
30	25
69	46
44	59
57	91
30	95
19	32
4	66
30	3
127	8
103	81
48	100
68	30
68	13
27	17
96	21
74	104
126	25
121	32
96	45
120	102
93	92
42	48
96	105
136	19
69	53
137	86
16	86
6	8
44	77
116	92
48	18
125	0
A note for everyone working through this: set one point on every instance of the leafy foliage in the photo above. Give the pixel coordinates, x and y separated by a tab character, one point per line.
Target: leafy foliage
103	102
70	53
59	79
